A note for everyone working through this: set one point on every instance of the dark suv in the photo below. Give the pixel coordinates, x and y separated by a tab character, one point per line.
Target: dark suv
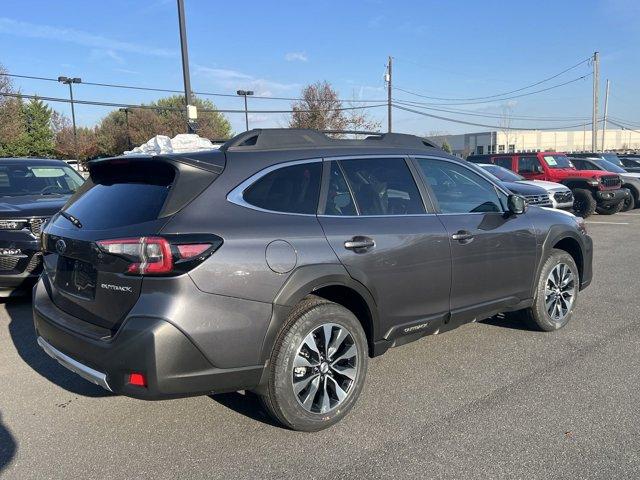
281	262
31	191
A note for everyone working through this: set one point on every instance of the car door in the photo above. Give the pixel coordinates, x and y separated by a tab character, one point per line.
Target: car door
529	167
377	222
493	253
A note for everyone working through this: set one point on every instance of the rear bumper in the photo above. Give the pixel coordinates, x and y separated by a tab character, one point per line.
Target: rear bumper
611	197
172	365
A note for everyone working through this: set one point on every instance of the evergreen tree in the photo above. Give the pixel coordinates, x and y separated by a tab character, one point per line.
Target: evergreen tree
38	136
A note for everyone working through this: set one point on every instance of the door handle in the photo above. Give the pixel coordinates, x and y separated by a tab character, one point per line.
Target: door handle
359	244
462	236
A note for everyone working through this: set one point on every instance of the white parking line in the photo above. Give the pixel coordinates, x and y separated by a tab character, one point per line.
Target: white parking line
607	223
629	214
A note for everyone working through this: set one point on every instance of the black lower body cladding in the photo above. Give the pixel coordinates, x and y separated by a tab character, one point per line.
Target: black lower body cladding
172	363
611	197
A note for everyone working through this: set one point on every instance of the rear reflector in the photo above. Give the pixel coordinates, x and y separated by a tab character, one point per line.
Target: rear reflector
192	250
137	379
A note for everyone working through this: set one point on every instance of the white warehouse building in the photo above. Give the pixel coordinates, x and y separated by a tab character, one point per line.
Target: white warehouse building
538	141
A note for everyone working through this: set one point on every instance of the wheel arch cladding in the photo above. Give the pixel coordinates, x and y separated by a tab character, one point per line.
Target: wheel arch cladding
633	189
329	281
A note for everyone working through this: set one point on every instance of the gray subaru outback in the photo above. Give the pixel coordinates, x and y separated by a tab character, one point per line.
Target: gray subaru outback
281	262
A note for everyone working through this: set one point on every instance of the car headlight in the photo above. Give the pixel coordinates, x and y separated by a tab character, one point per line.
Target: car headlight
12	224
593	182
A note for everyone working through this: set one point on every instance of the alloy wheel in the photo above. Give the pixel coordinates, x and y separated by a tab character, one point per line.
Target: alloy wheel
560	292
325	368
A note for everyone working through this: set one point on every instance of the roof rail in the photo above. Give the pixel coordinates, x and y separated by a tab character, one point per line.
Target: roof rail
274	138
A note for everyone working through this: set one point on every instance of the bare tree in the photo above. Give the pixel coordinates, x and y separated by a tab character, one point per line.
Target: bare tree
321	109
505	124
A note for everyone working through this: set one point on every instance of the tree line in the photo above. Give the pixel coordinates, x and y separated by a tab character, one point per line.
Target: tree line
33	129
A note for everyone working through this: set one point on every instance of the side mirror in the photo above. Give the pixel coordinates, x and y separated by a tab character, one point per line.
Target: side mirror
517	204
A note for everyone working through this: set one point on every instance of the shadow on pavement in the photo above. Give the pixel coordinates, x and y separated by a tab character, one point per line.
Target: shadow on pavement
247	404
24	338
8	447
512	320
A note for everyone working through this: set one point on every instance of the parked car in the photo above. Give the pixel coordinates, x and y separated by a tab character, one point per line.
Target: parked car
593	190
631	163
31	191
631	181
546	194
279	263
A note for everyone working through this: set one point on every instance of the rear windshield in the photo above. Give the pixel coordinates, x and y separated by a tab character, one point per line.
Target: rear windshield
32	179
557	161
122	195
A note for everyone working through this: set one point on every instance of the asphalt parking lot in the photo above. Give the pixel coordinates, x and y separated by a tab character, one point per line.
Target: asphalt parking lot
489	400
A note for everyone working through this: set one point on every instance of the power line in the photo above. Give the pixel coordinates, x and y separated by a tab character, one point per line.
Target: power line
497	127
152	107
498	99
168	90
512	91
488	115
624	127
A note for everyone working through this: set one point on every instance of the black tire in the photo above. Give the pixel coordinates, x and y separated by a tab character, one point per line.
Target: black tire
630	202
537	316
610	209
279	397
584	205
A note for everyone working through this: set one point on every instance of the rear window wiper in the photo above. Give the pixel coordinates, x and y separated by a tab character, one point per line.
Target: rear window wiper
72	219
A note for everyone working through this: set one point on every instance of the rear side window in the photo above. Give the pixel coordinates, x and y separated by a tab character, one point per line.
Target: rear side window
292	189
528	164
118	196
504	162
383	186
339	199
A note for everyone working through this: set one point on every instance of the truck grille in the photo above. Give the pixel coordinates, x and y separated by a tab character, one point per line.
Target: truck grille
540	200
35	225
563	197
611	181
35	263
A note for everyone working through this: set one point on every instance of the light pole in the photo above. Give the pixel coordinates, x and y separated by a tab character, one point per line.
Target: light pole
191	109
70	81
126	121
245	94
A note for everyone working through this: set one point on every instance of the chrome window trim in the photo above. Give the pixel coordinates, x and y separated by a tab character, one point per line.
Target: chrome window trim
236	196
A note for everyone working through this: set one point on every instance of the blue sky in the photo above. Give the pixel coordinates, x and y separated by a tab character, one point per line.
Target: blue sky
441	48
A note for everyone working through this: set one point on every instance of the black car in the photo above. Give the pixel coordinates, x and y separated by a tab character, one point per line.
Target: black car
630	162
281	262
31	191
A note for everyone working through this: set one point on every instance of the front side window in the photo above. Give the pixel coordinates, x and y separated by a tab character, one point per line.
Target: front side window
458	189
292	189
382	186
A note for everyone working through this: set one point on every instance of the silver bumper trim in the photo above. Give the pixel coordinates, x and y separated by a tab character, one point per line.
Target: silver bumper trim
66	361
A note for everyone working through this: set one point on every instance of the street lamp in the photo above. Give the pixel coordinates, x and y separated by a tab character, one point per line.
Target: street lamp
245	94
126	120
70	81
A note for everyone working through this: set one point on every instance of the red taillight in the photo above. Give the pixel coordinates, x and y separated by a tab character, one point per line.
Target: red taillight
149	255
137	379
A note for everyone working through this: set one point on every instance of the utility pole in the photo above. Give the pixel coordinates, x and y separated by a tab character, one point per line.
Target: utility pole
192	114
594	115
606	111
388	80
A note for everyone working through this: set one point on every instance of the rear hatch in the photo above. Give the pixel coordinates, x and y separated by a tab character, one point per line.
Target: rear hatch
128	199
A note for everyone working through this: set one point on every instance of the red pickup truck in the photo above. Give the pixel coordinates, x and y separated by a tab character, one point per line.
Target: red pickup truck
593	190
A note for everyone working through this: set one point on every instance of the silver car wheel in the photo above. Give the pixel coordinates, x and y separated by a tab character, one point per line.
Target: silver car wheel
325	368
560	292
